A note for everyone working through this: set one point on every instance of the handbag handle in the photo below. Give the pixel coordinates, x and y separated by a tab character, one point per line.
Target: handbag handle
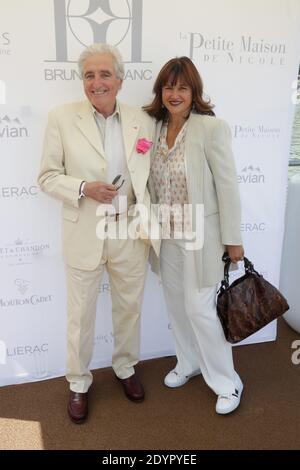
249	268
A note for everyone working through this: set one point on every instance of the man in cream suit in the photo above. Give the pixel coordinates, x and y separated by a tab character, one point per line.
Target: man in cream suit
87	145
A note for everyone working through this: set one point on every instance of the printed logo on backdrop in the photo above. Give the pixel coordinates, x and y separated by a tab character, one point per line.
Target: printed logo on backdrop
260	131
253	227
78	24
106	338
244	50
11	127
18	192
21	252
22	285
2	352
25	296
104	287
33	357
241	271
5	43
251	175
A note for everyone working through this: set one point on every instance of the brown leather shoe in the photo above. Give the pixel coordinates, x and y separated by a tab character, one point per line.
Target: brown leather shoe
133	388
78	407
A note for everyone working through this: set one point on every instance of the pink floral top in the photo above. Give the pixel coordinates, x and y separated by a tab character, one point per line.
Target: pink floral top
168	173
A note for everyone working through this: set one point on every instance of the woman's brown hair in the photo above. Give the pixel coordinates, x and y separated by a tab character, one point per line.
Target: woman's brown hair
175	69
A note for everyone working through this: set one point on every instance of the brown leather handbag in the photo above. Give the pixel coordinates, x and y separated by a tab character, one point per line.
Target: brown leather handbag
248	304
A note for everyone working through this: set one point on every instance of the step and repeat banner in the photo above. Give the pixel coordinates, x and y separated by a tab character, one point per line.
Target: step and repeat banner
247	53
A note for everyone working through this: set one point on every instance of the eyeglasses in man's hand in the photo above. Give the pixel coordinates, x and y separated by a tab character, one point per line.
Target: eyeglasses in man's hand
115	181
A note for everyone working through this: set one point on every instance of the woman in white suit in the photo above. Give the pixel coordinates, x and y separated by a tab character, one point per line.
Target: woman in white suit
193	164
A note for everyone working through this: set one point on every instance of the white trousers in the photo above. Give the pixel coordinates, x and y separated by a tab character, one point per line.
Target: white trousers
198	335
125	261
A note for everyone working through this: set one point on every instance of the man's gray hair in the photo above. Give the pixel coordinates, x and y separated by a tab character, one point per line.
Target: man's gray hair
101	48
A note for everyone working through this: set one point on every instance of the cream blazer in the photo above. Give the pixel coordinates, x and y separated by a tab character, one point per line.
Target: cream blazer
73	152
212	181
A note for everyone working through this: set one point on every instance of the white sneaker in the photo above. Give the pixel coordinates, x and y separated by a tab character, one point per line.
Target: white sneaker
230	401
174	379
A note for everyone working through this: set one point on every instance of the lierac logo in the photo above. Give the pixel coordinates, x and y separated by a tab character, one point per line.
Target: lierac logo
24	350
18	192
253	227
12	128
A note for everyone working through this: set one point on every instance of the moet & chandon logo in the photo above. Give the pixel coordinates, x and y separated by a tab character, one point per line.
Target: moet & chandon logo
22	252
78	24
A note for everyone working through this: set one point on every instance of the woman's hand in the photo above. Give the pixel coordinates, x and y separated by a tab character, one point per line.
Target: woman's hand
235	252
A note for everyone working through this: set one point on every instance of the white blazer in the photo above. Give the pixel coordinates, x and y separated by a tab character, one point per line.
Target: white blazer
212	181
73	152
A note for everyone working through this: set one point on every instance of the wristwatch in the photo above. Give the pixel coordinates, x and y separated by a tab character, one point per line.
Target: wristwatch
81	189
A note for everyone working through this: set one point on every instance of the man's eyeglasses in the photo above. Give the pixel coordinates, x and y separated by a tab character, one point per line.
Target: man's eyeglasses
116	180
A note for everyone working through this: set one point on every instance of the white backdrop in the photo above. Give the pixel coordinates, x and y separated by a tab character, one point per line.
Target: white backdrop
247	52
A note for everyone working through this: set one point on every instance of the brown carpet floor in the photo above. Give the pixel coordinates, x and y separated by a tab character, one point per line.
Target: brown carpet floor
33	416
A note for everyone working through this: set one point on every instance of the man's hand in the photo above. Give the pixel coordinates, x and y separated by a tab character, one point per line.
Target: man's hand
100	192
235	252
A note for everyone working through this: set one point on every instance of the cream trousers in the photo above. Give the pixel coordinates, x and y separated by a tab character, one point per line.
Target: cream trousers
125	262
198	335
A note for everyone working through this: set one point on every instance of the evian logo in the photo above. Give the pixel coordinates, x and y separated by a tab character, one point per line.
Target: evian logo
251	175
12	128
